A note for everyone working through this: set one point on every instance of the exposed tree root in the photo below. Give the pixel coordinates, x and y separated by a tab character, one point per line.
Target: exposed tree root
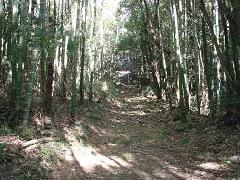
37	141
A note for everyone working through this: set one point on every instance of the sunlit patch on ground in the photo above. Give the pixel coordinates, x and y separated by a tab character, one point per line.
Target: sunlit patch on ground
136	99
139	113
160	173
68	156
139	106
168	171
212	166
134	141
89	159
133	112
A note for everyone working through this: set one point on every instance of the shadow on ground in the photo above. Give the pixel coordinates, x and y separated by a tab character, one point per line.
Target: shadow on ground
136	138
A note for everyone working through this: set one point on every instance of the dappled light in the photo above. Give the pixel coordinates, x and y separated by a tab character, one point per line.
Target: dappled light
89	159
212	166
140	113
127	145
137	99
119	89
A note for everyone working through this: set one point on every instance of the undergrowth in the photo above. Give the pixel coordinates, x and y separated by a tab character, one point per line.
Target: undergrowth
147	91
6	130
105	89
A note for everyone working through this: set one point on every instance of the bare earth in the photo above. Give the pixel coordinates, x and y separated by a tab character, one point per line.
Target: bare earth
135	138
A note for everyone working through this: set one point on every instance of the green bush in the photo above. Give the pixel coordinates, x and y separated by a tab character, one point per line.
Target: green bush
105	90
181	126
5	130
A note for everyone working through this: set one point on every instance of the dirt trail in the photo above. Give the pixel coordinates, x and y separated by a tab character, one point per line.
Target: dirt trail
134	142
135	139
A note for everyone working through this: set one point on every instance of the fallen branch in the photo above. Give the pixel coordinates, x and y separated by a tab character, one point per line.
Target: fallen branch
37	141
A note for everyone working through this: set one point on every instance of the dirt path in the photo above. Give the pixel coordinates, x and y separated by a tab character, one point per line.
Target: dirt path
134	141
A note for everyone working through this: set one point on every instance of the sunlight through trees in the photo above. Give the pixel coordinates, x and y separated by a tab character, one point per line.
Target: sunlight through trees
149	78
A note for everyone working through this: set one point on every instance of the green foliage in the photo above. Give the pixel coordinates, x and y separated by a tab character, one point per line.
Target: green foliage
93	112
95	116
49	45
162	134
4	157
229	102
124	141
5	130
184	140
181	126
47	153
105	90
128	43
178	115
2	147
72	45
127	175
27	133
226	162
146	135
112	91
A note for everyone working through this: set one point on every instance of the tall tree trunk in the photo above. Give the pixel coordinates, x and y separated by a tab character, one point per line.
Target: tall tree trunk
216	63
9	50
93	59
82	63
74	57
43	54
196	60
23	51
1	36
50	61
182	83
207	67
214	39
63	79
32	70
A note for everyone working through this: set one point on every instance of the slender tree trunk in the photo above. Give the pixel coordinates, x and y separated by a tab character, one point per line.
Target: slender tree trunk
217	83
207	67
50	62
9	50
182	83
164	64
214	39
31	76
93	59
82	63
74	56
1	36
23	48
63	80
196	60
43	54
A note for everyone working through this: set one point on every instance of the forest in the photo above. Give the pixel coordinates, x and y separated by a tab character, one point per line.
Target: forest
119	89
